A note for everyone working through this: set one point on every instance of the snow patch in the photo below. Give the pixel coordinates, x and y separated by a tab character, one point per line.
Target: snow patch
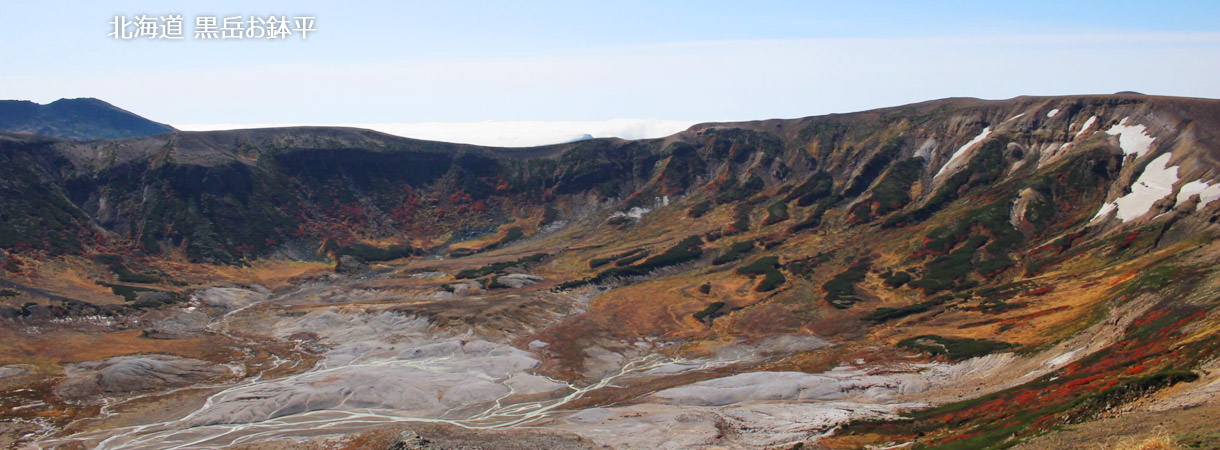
638	212
954	160
1154	184
635	212
1052	112
1018	116
1134	138
1208	192
1083	128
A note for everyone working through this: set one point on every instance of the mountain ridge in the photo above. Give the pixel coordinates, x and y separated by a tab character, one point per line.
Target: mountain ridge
247	148
77	118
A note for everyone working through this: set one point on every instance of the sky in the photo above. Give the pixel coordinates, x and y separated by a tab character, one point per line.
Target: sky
529	72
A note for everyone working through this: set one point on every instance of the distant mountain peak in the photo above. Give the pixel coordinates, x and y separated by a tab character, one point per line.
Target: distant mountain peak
78	100
76	118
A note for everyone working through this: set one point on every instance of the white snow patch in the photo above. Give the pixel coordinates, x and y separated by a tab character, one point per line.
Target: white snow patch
1154	184
953	160
1018	116
1083	128
635	212
1104	211
1134	138
1052	112
638	212
1208	192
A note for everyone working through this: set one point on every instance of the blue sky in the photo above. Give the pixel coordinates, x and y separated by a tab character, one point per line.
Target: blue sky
465	61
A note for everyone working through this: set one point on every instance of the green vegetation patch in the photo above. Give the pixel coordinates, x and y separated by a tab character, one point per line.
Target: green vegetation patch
953	348
699	209
804	267
873	168
777	212
712	311
1154	279
768	267
892	192
980	243
771	280
132	293
897	279
741	220
619	258
813	220
734	252
686	250
513	234
841	290
629	260
550	214
759	266
1080	180
500	266
886	314
1202	439
373	253
818	186
1006	291
730	193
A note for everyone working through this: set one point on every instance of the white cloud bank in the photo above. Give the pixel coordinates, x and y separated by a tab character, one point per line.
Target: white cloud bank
498	133
730	80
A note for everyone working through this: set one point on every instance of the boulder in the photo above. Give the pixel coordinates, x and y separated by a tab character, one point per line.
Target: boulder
410	440
467	288
351	265
517	280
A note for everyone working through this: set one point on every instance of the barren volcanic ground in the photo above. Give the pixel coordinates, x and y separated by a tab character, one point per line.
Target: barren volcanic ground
1038	272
